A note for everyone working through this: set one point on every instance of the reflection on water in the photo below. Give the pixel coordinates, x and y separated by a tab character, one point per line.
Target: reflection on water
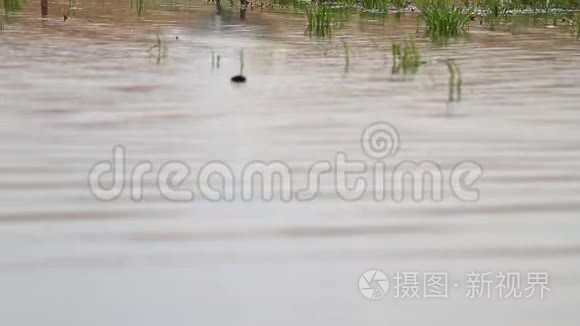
71	90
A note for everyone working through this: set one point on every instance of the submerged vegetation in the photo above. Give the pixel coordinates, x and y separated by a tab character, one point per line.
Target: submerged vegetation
10	6
346	57
7	9
159	49
441	18
577	22
215	60
138	5
455	81
406	58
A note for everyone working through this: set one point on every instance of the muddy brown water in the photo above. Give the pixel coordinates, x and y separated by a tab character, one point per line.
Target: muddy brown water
71	91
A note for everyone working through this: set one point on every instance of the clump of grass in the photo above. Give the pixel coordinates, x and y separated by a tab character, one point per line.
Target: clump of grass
406	58
495	8
542	5
455	81
322	19
375	5
319	20
443	18
294	4
496	11
399	4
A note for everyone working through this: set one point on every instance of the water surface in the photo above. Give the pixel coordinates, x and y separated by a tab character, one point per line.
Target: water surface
70	91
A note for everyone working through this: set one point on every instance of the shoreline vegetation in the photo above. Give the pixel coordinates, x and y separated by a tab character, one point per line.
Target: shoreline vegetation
440	18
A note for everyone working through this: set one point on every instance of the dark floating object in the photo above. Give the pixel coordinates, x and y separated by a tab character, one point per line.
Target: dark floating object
238	79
